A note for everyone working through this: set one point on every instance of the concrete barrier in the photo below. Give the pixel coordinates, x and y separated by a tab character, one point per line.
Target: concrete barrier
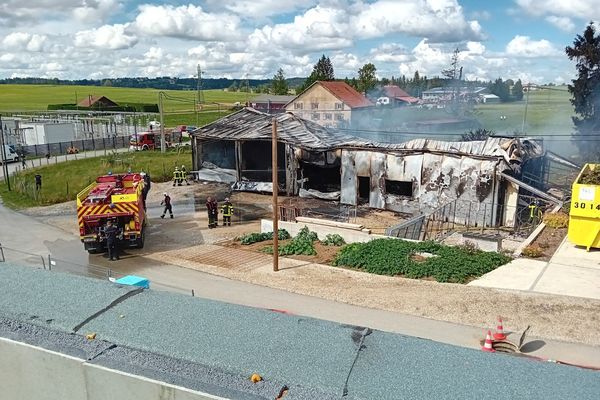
29	372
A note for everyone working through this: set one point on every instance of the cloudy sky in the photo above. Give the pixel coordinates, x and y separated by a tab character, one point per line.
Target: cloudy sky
72	39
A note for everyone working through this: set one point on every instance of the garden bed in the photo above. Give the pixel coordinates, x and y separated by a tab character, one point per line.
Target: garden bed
417	260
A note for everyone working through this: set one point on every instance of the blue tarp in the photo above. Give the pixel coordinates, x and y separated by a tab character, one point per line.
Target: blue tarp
133	280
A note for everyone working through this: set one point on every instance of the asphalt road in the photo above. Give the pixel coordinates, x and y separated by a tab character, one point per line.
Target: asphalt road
18	166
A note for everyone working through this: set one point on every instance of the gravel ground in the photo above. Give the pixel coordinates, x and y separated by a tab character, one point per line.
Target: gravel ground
32	293
159	334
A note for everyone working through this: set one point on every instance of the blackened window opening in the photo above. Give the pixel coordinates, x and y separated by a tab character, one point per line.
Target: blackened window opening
400	188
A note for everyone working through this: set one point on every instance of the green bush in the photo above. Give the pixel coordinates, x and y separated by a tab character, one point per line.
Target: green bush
395	257
334	240
250	238
303	243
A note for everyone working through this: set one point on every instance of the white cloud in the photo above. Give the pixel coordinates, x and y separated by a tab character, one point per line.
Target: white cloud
390	53
316	30
19	12
582	9
475	48
113	37
437	20
523	46
25	41
562	23
262	8
96	10
337	25
186	22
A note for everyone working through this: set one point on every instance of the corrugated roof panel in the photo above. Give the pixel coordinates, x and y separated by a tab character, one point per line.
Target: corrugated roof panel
250	124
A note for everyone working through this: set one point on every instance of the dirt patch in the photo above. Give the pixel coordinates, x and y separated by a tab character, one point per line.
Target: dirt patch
325	254
549	241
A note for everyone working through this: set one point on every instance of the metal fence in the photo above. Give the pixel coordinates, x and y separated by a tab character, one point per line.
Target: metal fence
52	149
468	216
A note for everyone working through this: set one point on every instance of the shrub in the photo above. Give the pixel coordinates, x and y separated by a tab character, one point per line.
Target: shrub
394	257
250	238
303	243
556	220
533	251
334	240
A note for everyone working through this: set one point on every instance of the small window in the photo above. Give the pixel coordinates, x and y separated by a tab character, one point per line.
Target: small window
339	106
328	116
316	116
400	188
314	106
339	117
298	106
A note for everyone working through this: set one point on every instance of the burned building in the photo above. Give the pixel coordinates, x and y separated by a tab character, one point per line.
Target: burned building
309	155
414	177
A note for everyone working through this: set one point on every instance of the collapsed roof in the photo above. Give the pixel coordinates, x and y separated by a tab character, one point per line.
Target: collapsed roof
250	124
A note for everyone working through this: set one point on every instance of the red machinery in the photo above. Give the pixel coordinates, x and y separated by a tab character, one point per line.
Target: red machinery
119	198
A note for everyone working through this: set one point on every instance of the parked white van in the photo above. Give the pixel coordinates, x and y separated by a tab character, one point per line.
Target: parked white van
8	154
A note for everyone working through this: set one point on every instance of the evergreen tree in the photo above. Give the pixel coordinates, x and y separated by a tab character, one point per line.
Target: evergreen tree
517	90
322	71
500	89
279	84
585	93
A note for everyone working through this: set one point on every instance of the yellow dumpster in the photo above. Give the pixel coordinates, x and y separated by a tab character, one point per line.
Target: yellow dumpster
584	219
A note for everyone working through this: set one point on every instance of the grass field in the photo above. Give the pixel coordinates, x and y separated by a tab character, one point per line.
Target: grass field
62	181
549	112
178	104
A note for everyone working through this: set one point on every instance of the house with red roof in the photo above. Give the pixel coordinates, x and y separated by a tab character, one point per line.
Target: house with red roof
396	96
97	102
331	104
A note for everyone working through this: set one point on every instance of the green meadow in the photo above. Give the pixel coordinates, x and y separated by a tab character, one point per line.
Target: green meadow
179	105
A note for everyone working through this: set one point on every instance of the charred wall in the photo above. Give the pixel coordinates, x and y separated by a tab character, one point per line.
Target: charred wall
421	182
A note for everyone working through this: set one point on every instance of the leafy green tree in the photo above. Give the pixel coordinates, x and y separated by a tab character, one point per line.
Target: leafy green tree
322	71
366	78
517	90
279	84
585	93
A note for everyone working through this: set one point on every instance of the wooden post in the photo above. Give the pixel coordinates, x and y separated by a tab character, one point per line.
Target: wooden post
275	192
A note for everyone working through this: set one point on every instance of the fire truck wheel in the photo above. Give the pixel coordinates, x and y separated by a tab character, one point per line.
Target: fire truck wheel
139	243
145	147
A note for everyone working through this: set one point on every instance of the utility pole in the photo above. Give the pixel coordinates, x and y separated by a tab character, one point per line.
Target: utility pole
3	156
275	193
199	86
526	104
163	146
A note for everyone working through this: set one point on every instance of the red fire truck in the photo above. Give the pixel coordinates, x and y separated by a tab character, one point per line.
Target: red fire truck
116	197
148	140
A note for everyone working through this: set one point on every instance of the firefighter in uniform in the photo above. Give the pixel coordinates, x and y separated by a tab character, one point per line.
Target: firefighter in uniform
176	177
111	232
167	203
227	211
183	172
213	211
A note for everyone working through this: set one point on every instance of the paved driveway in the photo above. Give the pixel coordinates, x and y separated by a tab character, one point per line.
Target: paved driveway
572	271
